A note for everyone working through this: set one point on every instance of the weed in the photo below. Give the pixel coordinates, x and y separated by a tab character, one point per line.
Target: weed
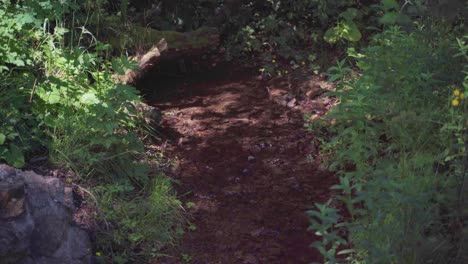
58	92
399	165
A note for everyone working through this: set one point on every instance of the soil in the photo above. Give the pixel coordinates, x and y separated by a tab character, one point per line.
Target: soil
242	156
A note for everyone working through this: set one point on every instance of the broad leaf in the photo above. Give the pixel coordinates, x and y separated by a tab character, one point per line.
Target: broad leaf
350	14
2	139
390	4
332	35
89	98
389	18
351	31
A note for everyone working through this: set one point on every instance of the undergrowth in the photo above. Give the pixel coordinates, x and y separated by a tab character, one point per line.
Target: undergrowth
58	92
398	144
282	36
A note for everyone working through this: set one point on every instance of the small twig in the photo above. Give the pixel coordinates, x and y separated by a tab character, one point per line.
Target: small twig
32	92
404	5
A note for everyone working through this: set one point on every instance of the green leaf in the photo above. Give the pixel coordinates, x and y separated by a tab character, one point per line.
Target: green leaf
53	97
347	30
89	98
2	138
350	14
351	31
390	4
317	245
332	35
389	18
15	59
15	157
25	18
314	213
51	94
132	65
346	251
117	67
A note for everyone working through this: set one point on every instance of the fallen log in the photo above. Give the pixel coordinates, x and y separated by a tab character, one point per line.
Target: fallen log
146	62
173	44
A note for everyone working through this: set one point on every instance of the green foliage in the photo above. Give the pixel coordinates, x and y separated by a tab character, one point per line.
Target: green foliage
91	121
346	28
287	34
292	34
324	221
18	134
15	136
146	222
65	99
399	163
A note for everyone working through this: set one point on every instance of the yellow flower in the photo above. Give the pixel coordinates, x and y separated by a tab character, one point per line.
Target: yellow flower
286	72
462	96
98	254
455	102
273	61
303	62
456	92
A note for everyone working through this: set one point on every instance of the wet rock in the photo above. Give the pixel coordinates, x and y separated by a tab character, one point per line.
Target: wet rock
36	221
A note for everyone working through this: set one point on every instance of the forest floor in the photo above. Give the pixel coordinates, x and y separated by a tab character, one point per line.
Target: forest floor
240	152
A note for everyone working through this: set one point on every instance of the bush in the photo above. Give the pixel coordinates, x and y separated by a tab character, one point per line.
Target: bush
63	97
397	147
283	35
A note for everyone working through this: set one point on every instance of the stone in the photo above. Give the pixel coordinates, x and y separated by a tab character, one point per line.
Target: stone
36	221
50	228
76	242
11	195
14	236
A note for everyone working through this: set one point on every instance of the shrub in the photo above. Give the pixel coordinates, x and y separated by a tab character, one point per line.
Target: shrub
62	96
397	147
283	35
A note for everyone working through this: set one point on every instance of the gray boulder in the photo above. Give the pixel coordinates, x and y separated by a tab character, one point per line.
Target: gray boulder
36	223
